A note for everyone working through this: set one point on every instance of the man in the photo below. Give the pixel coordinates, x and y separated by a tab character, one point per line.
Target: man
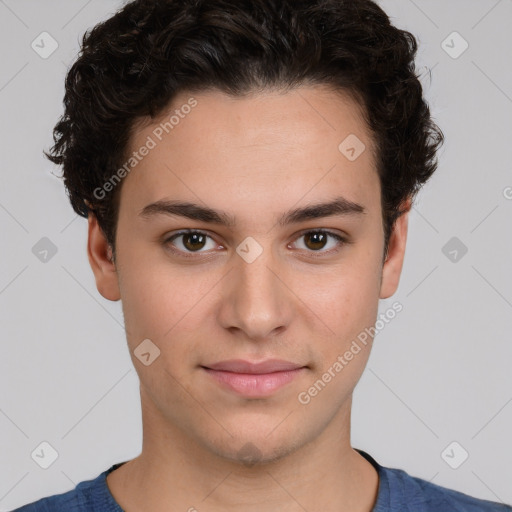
247	169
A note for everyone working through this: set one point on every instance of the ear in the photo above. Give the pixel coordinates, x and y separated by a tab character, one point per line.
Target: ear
100	259
392	267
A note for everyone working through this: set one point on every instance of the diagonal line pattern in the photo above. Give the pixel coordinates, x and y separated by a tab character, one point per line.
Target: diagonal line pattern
423	280
197	302
430	480
75	15
332	332
12	216
216	487
5	495
424	13
74	483
13	423
403	402
104	395
492	81
177	177
281	422
92	297
497	497
297	202
327	122
491	419
13	77
69	223
486	14
425	219
488	282
198	402
12	280
184	184
286	491
13	13
485	218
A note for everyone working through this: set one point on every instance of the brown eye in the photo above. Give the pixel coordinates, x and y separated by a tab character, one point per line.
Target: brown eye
194	241
315	241
191	241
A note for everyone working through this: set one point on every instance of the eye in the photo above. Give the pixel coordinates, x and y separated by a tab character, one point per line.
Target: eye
318	239
193	241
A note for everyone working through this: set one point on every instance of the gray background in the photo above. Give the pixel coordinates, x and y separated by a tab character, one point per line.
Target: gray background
438	373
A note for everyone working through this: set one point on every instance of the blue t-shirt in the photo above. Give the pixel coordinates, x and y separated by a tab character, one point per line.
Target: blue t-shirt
398	492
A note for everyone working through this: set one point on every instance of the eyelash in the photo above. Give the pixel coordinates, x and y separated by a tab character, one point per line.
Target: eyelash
342	241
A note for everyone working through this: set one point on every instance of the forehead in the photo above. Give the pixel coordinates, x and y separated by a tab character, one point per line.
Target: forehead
257	149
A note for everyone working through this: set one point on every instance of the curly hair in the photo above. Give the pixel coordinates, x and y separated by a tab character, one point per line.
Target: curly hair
133	64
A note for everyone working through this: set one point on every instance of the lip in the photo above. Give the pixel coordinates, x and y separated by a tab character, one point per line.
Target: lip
242	366
254	380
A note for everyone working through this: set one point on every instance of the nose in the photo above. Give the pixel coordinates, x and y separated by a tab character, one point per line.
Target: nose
256	303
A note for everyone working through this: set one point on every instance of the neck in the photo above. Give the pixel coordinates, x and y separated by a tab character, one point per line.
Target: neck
176	471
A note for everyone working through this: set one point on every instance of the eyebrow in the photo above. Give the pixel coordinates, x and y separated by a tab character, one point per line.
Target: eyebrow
338	207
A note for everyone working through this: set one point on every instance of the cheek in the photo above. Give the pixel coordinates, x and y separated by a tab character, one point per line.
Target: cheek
346	297
347	303
145	290
162	303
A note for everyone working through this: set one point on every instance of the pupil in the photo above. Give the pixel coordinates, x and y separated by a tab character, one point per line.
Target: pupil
317	240
197	239
318	244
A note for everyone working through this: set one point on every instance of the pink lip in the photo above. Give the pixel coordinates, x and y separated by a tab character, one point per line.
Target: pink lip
255	380
241	366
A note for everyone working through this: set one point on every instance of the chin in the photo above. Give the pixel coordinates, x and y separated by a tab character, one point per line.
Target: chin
254	450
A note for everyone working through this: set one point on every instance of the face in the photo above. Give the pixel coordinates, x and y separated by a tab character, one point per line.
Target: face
262	276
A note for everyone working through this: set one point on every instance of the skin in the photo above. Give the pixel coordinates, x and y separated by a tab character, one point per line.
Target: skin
255	158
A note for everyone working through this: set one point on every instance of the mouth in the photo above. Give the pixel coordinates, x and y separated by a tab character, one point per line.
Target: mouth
254	380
